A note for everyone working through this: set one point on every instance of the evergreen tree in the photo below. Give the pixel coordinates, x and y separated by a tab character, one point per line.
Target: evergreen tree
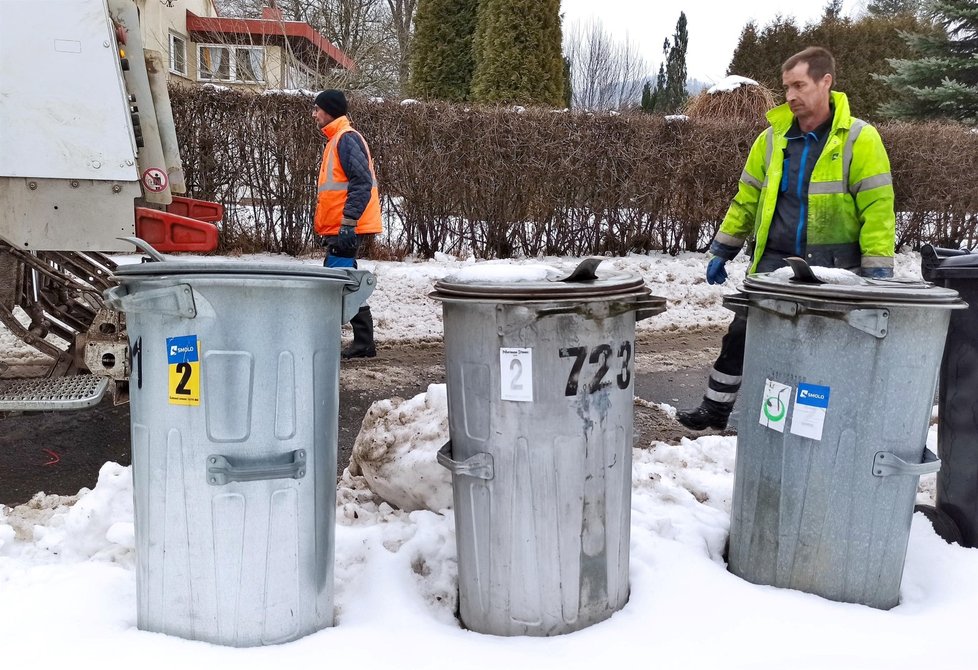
670	86
862	47
759	55
676	66
833	10
442	56
518	56
647	102
888	8
568	87
943	82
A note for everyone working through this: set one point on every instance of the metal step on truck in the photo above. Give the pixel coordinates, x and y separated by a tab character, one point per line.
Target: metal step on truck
89	162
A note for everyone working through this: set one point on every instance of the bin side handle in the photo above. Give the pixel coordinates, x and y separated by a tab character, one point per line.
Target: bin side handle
886	464
176	300
356	292
478	465
220	471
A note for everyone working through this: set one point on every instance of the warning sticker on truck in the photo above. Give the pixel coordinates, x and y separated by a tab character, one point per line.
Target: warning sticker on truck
183	358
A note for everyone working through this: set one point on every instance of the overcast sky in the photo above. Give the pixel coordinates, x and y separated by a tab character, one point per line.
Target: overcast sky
714	25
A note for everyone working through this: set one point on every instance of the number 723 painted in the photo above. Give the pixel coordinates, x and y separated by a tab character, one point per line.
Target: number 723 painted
183	359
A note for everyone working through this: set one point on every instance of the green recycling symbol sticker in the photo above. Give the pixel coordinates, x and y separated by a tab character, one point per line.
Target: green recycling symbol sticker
774	406
774	409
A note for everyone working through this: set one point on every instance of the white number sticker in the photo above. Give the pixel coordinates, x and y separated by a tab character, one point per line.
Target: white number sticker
516	374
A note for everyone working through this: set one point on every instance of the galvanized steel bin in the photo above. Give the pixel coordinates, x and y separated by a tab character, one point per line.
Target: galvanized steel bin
839	384
540	379
234	396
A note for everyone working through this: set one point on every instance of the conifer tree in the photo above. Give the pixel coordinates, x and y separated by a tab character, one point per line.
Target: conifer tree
943	82
647	103
518	56
442	55
881	8
670	86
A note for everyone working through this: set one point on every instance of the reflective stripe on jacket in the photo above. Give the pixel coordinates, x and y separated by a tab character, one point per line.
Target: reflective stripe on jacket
850	196
334	183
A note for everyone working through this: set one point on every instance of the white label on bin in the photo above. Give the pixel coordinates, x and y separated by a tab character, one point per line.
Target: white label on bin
516	374
811	404
774	405
183	358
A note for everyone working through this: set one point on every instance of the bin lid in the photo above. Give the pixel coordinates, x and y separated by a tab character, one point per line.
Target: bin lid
538	281
964	266
225	267
832	284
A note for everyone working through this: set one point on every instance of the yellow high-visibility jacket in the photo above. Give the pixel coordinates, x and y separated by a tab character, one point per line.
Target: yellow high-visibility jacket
850	196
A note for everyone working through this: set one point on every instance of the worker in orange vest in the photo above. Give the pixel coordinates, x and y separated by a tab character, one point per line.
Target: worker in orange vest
348	206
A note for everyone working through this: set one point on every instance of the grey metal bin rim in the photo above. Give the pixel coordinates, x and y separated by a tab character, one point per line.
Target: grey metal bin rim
622	284
869	292
175	269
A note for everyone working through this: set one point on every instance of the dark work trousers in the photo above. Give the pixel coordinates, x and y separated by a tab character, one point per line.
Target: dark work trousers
725	378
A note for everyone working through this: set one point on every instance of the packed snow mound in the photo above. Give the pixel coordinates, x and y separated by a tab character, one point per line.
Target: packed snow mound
828	275
730	83
396	451
96	524
497	273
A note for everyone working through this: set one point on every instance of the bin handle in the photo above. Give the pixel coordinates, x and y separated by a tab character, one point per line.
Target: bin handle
176	300
145	247
355	293
478	465
220	470
886	464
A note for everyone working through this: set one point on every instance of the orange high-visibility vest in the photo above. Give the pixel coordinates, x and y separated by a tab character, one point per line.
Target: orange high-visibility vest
333	185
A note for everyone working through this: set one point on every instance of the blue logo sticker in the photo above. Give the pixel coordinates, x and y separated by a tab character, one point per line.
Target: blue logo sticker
813	395
182	349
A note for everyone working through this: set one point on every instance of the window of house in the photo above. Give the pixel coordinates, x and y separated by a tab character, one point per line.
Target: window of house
230	63
178	54
299	76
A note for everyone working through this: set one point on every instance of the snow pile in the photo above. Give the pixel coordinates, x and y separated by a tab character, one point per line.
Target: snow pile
98	524
396	451
730	83
396	580
497	273
837	276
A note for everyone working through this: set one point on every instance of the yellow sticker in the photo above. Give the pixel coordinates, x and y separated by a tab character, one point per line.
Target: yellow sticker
183	357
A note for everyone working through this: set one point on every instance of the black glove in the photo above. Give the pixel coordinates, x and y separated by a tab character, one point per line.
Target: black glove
346	242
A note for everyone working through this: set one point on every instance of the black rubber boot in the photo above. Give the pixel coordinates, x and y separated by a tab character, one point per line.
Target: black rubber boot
363	335
710	414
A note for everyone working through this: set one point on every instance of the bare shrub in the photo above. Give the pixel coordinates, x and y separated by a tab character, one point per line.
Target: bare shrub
497	183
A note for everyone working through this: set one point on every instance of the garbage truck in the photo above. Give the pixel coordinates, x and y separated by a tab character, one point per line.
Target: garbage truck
89	165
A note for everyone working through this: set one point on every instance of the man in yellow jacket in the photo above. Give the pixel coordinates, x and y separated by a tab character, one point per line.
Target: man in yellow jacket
348	205
817	185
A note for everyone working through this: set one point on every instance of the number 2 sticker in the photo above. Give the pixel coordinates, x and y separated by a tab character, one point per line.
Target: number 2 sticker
183	358
516	374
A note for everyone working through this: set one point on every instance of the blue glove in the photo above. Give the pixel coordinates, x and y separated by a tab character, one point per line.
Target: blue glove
715	272
877	273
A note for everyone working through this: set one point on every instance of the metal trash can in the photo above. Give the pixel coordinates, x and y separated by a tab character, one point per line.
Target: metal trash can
540	376
956	515
839	384
234	395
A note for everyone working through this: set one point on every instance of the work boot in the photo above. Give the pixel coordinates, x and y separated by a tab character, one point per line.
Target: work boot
710	414
363	335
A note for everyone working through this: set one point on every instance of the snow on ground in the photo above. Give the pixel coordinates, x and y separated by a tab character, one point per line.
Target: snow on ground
67	568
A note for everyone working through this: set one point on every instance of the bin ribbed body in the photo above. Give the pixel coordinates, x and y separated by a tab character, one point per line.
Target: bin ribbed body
238	563
542	545
813	514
